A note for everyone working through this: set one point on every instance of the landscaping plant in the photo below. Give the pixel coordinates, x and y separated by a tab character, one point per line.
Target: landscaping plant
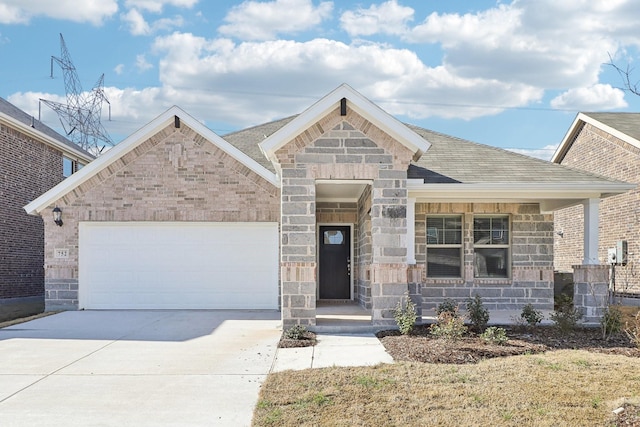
478	314
633	330
448	306
495	335
611	322
566	316
530	315
449	325
296	332
405	316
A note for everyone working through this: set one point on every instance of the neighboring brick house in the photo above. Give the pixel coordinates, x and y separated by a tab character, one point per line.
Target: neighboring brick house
340	203
33	158
607	144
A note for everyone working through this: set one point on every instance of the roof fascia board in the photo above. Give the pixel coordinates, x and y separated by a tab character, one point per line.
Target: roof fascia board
130	143
358	103
34	133
570	136
515	192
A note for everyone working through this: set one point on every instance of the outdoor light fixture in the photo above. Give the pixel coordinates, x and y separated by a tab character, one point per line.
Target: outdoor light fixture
57	216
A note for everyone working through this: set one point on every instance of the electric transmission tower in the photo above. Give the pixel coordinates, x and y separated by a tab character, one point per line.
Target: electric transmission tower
80	116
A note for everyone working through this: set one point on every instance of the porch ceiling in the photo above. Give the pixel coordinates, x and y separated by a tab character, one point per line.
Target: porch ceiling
340	191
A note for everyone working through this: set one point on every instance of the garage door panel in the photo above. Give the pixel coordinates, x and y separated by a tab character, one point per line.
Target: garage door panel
178	265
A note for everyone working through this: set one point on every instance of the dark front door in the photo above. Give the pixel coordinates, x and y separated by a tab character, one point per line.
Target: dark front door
335	262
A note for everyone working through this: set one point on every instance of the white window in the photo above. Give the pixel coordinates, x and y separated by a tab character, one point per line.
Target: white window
444	246
70	166
491	246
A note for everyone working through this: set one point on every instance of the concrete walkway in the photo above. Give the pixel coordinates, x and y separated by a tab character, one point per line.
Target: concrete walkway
333	350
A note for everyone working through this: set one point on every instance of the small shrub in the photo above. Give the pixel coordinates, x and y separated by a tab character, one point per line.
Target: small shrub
405	316
296	332
566	316
449	325
611	322
495	335
478	314
448	306
530	315
633	330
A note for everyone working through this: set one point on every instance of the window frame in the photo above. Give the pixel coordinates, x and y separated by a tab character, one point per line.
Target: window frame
490	245
460	246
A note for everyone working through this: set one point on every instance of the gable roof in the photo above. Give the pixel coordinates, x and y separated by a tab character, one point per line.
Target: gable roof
16	118
625	126
134	141
330	102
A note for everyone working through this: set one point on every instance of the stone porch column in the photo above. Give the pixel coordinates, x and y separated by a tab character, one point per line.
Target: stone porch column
389	246
591	291
298	248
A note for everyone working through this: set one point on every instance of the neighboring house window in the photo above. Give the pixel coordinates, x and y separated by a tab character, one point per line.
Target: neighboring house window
491	246
444	246
70	167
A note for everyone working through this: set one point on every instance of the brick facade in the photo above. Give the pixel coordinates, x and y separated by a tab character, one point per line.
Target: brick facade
531	278
28	169
599	152
176	175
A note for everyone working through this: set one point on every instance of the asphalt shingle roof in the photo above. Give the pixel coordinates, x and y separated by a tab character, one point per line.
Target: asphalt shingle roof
12	111
449	160
628	123
455	160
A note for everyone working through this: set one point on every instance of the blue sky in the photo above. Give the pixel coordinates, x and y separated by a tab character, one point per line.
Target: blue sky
512	74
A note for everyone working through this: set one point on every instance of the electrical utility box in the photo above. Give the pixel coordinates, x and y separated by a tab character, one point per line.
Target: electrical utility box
618	255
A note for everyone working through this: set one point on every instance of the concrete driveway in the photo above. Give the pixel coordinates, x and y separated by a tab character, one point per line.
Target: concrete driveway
136	368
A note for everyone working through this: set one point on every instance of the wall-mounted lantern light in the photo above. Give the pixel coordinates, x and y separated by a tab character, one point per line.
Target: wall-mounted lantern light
57	216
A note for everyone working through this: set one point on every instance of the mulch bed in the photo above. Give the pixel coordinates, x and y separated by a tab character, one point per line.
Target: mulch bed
421	346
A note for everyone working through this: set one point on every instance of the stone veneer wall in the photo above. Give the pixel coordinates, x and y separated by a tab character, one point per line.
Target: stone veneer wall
599	152
176	175
342	147
531	255
363	283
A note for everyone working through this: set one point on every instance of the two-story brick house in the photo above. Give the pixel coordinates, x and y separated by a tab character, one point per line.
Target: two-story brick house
33	158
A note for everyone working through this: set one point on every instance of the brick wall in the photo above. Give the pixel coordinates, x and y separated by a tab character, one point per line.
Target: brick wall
28	168
599	152
531	278
176	175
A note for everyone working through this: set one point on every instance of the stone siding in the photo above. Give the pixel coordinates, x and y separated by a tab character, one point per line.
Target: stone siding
29	168
599	152
531	278
176	175
345	148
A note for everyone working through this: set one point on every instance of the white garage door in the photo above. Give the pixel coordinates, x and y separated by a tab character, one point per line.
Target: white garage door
147	265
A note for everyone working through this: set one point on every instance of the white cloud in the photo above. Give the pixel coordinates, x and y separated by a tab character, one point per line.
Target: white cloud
252	20
544	153
156	6
138	26
544	43
91	11
281	77
593	98
387	18
119	69
142	64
